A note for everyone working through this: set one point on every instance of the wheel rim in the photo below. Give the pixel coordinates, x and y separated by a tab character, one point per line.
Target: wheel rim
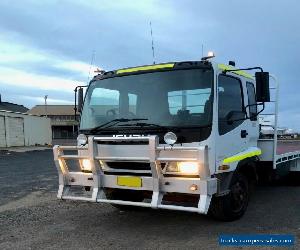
239	196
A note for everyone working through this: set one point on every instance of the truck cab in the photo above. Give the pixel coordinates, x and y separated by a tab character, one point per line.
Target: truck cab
179	136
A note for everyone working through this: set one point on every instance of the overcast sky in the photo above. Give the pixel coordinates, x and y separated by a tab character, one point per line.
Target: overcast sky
46	46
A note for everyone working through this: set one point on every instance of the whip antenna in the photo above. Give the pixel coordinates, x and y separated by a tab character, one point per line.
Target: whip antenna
91	65
152	43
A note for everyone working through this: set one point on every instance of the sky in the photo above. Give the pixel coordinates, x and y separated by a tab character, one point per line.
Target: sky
46	47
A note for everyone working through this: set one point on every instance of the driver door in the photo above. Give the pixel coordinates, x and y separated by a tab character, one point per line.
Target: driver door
231	135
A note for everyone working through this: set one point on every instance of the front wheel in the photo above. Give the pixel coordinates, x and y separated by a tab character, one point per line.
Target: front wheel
233	205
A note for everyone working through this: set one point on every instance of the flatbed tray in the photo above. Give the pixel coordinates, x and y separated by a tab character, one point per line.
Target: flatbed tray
287	146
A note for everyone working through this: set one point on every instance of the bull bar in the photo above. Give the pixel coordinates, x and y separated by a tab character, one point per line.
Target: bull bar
151	153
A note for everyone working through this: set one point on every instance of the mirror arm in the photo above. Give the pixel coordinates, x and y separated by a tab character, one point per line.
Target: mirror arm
245	111
262	108
75	101
75	104
256	115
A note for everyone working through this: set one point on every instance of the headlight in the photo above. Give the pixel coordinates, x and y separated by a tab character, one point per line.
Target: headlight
183	167
188	167
81	140
86	165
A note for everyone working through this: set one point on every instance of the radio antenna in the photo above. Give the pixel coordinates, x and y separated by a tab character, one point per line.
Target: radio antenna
92	62
152	43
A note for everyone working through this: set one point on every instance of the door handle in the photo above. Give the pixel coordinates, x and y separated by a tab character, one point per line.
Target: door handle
244	133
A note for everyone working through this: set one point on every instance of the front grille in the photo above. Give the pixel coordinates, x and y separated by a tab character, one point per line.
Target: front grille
123	143
126	173
129	165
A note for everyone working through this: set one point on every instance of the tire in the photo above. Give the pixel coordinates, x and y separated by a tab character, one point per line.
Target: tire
127	195
293	179
233	205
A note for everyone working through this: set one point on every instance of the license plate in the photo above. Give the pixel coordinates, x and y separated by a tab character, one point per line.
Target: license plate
129	181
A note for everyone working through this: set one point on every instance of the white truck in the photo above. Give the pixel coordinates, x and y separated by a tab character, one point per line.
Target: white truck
179	136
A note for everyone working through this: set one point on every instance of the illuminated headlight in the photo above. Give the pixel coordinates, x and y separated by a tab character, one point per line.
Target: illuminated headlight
86	165
183	167
81	140
188	167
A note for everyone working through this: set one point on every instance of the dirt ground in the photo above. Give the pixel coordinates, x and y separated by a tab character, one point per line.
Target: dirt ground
32	218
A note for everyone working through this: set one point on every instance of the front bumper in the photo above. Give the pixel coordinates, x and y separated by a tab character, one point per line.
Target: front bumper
115	149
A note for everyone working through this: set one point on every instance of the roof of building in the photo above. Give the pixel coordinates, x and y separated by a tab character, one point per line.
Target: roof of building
8	106
52	110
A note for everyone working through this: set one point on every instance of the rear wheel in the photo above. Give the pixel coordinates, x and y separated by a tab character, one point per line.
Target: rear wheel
233	205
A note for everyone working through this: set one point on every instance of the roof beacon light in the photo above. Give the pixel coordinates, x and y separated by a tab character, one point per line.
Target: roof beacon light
210	55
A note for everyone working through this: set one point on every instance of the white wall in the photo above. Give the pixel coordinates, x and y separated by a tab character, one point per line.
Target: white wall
37	130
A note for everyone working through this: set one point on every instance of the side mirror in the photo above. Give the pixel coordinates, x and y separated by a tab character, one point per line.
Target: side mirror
262	86
80	99
235	115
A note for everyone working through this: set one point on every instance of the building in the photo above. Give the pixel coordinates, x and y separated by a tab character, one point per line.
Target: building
63	124
8	106
19	129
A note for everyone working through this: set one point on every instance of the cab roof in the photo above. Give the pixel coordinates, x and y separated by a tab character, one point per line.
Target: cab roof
170	66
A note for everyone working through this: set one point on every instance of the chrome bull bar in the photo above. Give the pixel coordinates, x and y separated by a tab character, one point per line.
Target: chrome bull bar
151	153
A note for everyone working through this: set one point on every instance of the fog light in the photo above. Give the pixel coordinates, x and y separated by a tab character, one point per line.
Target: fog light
193	187
170	138
188	167
81	140
224	167
86	165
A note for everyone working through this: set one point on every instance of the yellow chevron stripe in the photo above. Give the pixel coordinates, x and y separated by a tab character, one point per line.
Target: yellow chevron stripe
239	72
241	156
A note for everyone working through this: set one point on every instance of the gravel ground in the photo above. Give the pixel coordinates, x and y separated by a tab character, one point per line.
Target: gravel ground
32	218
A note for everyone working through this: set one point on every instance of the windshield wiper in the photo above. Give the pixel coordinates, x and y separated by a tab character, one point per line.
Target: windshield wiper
142	124
145	124
114	122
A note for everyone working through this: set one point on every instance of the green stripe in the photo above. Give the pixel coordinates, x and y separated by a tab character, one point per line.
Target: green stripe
145	68
238	72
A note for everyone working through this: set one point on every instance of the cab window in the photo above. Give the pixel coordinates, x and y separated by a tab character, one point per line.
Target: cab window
251	101
230	105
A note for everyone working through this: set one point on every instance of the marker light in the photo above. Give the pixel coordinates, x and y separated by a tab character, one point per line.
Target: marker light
86	165
188	167
193	187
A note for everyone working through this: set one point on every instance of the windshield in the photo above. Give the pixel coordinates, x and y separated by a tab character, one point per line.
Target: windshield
177	98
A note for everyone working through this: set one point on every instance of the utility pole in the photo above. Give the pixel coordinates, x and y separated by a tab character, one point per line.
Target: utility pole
46	111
